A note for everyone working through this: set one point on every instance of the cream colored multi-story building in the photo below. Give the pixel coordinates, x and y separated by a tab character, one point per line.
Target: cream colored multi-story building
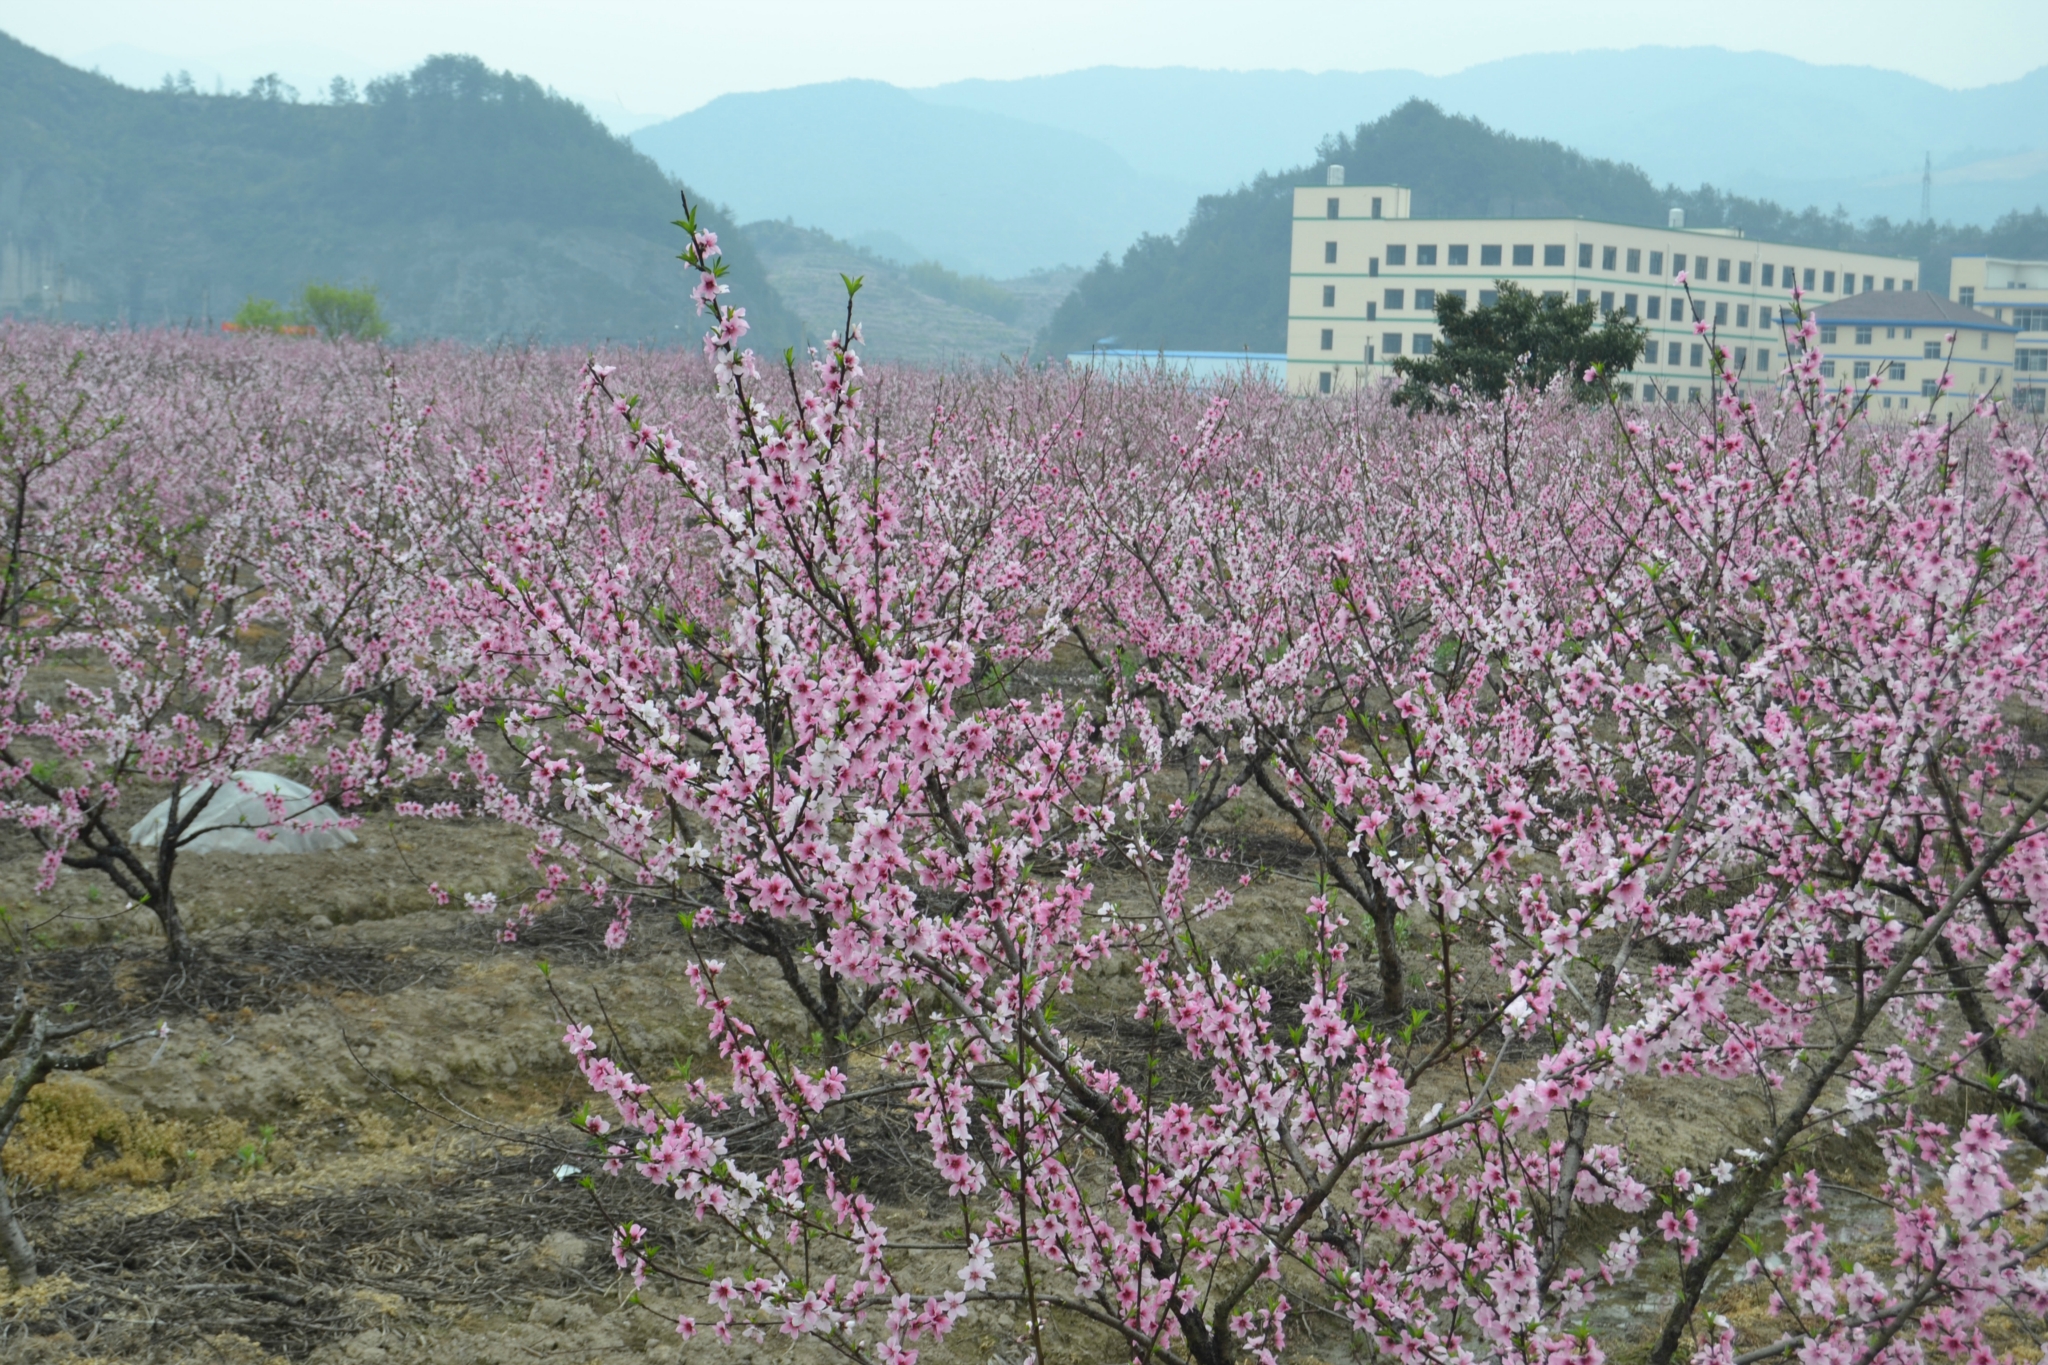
1903	340
2014	292
1365	278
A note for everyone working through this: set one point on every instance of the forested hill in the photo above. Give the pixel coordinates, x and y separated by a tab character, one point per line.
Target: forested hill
479	205
1221	282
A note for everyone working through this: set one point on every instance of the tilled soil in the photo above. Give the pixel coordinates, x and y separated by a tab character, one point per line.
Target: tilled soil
346	1150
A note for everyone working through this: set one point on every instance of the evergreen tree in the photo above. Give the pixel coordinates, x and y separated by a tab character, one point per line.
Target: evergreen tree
1520	339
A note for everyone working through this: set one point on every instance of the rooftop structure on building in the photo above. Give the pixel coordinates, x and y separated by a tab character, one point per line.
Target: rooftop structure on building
1365	275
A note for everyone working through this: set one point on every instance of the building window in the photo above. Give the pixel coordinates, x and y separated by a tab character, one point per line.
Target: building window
1692	395
1390	342
1928	388
1553	255
1457	294
1983	341
1654	307
1585	296
1741	359
1742	315
1887	284
1635	261
2030	319
1827	336
1763	359
1394	298
1397	255
1607	258
1459	255
1671	394
1488	297
1672	352
1628	304
1721	270
1809	278
1331	209
2028	360
1554	294
1329	253
1677	264
1375	206
1967	296
1489	255
1329	296
1650	352
1323	379
1868	284
1372	266
1372	311
1769	271
1862	369
1699	355
1425	255
1891	334
1863	335
1898	371
1329	338
1742	273
1656	263
1606	302
1827	369
1907	333
1425	300
1931	350
1423	343
1526	255
1585	255
1721	314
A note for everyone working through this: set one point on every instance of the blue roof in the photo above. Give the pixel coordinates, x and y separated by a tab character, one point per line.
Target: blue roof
1912	307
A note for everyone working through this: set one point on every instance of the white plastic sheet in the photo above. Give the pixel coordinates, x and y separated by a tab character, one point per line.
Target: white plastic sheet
239	820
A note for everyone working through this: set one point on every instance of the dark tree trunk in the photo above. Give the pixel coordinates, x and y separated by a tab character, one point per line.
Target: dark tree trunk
14	1244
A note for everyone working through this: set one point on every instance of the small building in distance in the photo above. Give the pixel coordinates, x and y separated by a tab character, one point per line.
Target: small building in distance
1902	339
1364	277
2015	292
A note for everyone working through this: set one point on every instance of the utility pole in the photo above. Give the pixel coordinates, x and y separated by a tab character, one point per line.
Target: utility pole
1927	190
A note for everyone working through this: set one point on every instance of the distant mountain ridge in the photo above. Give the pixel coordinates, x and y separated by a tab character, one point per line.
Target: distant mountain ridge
983	193
1001	177
1754	124
479	205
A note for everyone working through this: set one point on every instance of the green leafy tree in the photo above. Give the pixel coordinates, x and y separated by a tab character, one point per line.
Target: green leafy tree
1520	339
339	312
263	315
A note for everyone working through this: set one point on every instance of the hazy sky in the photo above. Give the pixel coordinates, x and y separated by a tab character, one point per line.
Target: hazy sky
633	60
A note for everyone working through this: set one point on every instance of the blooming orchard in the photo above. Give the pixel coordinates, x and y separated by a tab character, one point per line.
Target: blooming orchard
1608	750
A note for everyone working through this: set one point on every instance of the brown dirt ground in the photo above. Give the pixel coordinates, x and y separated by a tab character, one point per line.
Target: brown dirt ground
343	1152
